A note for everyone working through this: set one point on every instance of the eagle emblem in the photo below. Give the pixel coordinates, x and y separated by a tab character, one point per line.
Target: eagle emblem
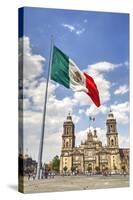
77	77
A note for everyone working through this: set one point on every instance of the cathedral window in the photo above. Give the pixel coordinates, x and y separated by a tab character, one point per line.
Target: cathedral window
115	141
66	131
67	144
69	130
112	142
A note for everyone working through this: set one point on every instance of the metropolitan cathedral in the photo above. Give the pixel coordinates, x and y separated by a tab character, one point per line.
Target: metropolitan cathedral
91	155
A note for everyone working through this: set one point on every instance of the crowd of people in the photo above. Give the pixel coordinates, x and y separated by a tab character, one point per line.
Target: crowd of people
46	175
51	174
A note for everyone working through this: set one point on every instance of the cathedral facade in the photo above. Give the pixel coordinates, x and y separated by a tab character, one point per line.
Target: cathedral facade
91	155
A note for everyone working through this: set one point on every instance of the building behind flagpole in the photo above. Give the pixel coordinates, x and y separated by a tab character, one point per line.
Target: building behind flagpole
91	156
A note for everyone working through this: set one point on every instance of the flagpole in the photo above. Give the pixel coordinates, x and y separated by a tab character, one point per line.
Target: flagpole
39	166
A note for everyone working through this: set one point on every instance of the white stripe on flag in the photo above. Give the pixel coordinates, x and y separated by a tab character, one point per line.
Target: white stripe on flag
77	78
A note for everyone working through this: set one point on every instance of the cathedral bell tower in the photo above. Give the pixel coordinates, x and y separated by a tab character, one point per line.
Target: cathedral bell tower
68	137
68	143
112	135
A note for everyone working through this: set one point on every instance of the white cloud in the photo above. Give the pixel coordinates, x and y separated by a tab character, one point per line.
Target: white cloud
97	71
121	112
93	110
121	90
32	63
56	113
78	30
71	28
82	135
81	98
101	133
81	111
103	67
124	141
26	104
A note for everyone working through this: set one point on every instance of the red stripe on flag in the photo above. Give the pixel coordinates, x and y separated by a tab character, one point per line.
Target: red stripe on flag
92	89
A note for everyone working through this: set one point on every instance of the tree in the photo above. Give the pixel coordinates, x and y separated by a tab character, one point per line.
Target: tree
56	163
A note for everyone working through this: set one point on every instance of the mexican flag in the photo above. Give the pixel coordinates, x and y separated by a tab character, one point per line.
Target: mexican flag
66	72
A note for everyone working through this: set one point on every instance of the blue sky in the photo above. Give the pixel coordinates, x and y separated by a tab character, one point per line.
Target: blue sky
98	42
105	36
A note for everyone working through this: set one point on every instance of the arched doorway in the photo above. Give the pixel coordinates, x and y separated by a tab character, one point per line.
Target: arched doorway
89	168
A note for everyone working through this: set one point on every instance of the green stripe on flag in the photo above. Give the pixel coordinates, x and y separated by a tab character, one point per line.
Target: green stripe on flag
60	67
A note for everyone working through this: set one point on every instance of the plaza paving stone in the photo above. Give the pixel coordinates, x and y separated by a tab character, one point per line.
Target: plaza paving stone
69	183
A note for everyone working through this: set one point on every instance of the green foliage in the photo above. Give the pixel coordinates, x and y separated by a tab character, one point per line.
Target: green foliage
56	163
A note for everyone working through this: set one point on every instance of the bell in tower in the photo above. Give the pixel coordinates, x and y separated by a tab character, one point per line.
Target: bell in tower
112	135
68	137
